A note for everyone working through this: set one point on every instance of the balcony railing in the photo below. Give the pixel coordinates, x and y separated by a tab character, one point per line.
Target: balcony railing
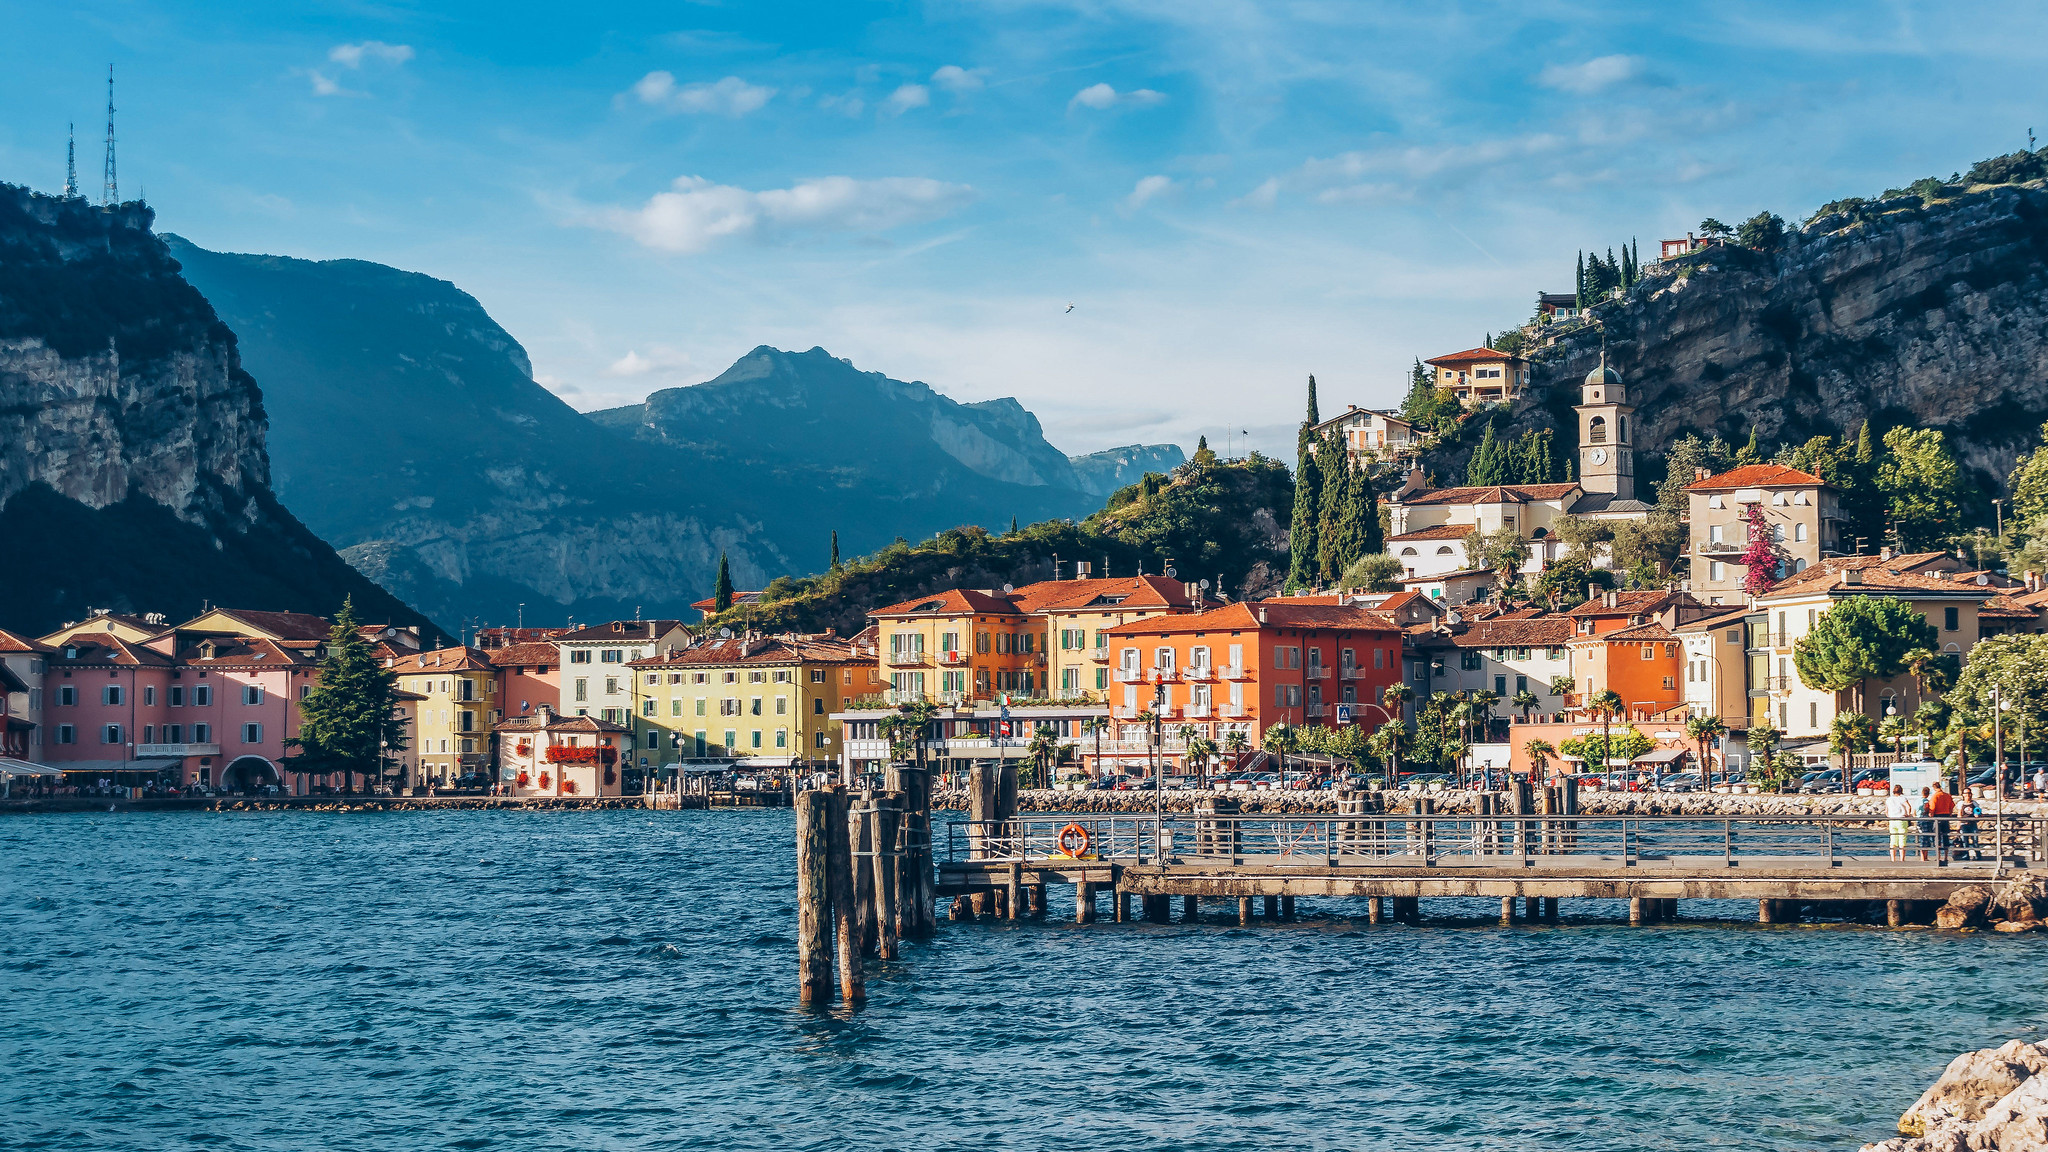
904	659
1123	712
142	750
1316	709
1718	548
1318	672
1776	639
1162	675
952	657
1197	712
1233	672
1099	655
1350	672
1198	672
1233	711
1128	676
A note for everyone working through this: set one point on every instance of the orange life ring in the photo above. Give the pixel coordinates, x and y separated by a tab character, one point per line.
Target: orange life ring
1074	841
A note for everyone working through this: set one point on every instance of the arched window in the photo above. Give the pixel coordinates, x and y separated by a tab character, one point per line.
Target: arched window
1596	430
1539	534
1444	551
1620	429
1409	552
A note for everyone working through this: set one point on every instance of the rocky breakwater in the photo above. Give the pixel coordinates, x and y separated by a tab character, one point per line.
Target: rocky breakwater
1990	1100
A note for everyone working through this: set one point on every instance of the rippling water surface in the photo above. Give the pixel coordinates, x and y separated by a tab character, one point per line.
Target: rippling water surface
625	980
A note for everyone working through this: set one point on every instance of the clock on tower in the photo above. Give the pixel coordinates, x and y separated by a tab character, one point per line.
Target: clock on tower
1606	461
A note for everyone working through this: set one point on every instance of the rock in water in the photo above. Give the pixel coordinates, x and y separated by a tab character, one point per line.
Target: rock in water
2017	1123
1971	898
1951	917
2023	898
1971	1084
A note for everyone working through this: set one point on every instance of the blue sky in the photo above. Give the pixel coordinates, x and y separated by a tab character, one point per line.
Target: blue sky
1232	195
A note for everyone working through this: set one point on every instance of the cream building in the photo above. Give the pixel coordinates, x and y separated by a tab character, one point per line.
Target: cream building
1802	514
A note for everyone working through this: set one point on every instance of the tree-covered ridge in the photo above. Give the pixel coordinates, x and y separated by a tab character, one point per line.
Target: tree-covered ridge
1216	520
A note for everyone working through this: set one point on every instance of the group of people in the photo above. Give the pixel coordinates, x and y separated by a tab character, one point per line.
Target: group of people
1924	823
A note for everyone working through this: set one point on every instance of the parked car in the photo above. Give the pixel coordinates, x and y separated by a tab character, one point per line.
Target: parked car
1820	782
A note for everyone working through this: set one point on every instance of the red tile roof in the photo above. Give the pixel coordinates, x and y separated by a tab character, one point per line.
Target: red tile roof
1435	532
558	723
532	652
951	602
1473	356
1709	623
1137	592
2006	608
1496	494
1243	616
763	650
444	660
104	648
1536	632
1878	578
1756	476
1636	634
12	642
241	652
1630	604
710	603
621	631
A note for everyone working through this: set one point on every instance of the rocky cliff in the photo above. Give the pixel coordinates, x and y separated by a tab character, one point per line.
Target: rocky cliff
1110	469
1932	314
133	470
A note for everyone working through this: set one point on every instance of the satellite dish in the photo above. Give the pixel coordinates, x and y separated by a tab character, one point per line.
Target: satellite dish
1169	573
725	633
1205	583
1008	588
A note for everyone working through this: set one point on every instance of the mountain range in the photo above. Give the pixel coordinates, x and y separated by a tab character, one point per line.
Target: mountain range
408	431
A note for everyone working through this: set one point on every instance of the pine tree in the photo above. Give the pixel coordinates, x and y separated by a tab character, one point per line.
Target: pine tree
1752	452
835	550
721	593
1314	417
349	722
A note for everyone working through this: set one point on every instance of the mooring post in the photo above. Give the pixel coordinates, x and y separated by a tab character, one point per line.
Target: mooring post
1637	912
1244	909
1084	902
813	897
853	987
1372	910
1894	913
1014	895
1507	910
862	831
888	874
1766	911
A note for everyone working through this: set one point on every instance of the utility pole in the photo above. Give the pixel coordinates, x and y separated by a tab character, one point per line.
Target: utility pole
111	195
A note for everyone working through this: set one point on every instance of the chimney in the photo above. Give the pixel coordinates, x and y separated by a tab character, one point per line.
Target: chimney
1699	474
1851	577
1614	599
1592	592
1262	615
1082	568
2033	581
1884	553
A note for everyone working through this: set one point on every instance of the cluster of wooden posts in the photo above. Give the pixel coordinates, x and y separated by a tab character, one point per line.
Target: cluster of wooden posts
864	880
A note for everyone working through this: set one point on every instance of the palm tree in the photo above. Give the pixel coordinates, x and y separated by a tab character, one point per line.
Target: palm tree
1482	708
1526	701
1235	742
1200	750
1044	749
1607	703
1893	729
1540	752
1394	697
1280	740
1093	726
1563	686
920	716
1704	729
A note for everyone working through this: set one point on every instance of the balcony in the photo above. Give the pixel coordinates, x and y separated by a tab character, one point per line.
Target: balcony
1351	672
1197	712
904	659
1099	655
1318	672
1128	676
1233	672
1776	639
1199	672
1233	711
1162	675
1122	712
1315	709
157	750
1717	548
952	658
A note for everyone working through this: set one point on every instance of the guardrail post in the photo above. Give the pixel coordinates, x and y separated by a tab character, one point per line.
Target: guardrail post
1728	841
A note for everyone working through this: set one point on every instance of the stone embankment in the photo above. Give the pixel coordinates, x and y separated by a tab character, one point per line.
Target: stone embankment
1704	804
313	803
1990	1100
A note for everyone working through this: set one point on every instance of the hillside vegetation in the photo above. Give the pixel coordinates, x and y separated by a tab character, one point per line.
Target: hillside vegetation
1214	520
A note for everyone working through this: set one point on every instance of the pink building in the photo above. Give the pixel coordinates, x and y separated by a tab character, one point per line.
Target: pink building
548	755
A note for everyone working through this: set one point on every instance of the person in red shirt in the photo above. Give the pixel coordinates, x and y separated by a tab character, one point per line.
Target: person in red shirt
1941	808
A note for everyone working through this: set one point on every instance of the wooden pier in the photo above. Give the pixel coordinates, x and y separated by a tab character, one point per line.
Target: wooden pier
1534	856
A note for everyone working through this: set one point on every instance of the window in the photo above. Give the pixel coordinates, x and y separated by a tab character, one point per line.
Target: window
66	734
700	705
1670	683
1596	430
817	706
468	721
149	733
1162	658
1102	677
782	704
1949	622
610	656
253	693
111	734
1500	686
202	696
757	677
1714	533
756	734
148	696
1813	714
1070	679
1799	532
611	686
1471	660
730	678
646	708
675	707
582	688
782	737
1521	684
111	694
176	696
817	675
252	733
1649	651
1715	571
755	706
579	656
823	740
1379	657
174	733
732	738
202	733
469	745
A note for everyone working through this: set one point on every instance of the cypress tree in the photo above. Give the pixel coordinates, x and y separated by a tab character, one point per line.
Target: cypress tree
835	550
1484	467
1579	300
1333	534
1364	516
1303	556
721	593
1013	525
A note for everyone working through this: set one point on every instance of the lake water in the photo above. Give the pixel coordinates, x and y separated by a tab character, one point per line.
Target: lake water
625	980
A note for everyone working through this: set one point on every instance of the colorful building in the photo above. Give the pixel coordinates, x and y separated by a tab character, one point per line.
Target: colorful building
529	676
592	677
958	646
25	660
1801	515
544	754
459	706
768	700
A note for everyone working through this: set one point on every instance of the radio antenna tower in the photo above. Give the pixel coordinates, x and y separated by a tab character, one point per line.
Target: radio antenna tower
71	161
112	194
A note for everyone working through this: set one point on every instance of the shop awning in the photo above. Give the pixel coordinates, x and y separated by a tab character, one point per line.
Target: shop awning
21	769
110	767
1664	756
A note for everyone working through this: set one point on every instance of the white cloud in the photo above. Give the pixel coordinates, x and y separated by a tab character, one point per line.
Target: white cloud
322	86
1146	189
659	358
1263	196
352	55
905	98
955	79
1101	96
697	214
731	96
1593	75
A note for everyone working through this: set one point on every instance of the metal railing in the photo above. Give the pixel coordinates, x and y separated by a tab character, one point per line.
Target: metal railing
1708	843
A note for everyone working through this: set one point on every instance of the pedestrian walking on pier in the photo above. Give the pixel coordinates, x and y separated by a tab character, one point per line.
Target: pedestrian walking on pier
1923	809
1899	811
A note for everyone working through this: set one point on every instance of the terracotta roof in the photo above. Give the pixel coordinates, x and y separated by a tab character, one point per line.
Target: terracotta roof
1137	592
444	660
1473	356
1447	575
105	648
283	625
710	603
1756	476
1874	579
13	642
1640	632
1629	604
758	650
1502	632
621	631
532	652
1243	616
1709	623
2006	608
240	652
951	602
2037	599
1496	494
1435	532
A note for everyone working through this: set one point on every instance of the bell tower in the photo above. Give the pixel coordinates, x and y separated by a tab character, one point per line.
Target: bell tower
1606	456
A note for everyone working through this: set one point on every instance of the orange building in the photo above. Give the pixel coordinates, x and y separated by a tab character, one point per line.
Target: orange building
528	677
1247	667
1641	662
958	645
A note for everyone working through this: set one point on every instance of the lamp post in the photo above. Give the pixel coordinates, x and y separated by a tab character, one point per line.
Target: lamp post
1998	706
1158	734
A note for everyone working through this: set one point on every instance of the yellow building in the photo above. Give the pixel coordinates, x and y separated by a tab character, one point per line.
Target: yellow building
761	698
458	690
1481	375
1075	616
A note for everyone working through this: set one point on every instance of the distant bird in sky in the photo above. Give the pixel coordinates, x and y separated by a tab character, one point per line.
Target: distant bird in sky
1070	308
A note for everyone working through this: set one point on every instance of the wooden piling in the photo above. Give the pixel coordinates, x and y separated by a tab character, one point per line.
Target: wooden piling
862	831
1084	902
1244	909
1507	910
1015	893
888	874
853	987
1120	905
1894	913
1766	911
1373	912
813	897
